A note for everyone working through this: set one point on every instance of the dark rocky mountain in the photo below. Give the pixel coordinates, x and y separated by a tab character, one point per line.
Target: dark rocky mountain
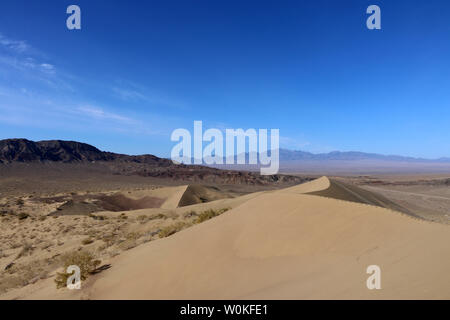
23	150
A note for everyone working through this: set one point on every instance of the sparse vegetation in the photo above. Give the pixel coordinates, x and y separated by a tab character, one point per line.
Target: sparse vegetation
173	228
209	214
35	234
123	216
145	218
190	214
178	226
87	241
130	241
83	259
142	218
158	216
22	216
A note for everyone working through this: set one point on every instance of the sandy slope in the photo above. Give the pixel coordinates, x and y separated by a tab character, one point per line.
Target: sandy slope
348	192
282	245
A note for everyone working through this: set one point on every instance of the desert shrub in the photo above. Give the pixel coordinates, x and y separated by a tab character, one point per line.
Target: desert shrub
158	216
130	241
20	202
87	241
173	228
83	259
95	217
109	239
123	216
22	216
143	218
190	214
209	214
133	236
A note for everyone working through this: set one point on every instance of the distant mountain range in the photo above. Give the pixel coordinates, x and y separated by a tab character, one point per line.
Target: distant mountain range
15	153
23	150
289	155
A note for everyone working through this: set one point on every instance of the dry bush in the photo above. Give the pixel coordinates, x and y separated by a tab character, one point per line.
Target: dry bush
22	216
83	259
190	214
157	216
145	218
131	241
209	214
173	228
133	236
123	216
109	239
87	241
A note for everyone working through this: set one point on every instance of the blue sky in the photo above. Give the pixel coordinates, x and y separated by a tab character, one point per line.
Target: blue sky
140	69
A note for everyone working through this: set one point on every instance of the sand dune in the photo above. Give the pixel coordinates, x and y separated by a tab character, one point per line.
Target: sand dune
285	244
344	191
195	194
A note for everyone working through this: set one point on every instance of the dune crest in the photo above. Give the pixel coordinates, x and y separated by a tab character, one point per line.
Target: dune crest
319	184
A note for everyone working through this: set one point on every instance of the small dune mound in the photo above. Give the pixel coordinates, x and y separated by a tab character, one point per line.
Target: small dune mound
115	203
347	192
196	194
72	208
119	202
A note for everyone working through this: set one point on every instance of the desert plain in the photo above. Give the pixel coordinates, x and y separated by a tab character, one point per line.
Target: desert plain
307	237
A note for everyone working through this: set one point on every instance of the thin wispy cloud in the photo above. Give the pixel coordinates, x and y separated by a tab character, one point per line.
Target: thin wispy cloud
127	95
132	92
27	64
99	113
18	46
47	67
